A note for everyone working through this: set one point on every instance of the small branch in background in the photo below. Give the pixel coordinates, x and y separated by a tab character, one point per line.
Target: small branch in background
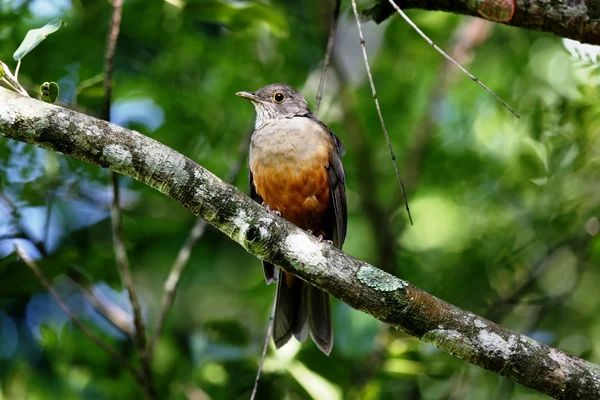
368	182
17	69
109	56
185	252
9	204
109	310
466	38
10	80
86	83
49	207
387	137
116	217
21	232
76	321
264	351
332	28
439	50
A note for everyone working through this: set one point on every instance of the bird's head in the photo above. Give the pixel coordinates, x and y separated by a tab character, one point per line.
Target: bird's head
276	101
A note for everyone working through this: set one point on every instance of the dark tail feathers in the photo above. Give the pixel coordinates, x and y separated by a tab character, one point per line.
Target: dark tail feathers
302	308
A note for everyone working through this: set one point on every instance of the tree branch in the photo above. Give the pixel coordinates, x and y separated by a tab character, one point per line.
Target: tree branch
577	19
362	286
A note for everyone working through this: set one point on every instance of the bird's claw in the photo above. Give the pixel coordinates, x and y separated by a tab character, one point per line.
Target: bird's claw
269	210
321	239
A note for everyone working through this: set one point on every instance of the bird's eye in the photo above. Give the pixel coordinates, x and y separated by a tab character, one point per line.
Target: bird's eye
278	97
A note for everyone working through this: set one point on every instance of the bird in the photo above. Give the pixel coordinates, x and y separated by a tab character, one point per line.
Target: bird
295	170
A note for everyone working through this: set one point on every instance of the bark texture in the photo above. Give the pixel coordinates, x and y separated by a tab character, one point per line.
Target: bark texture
574	19
362	286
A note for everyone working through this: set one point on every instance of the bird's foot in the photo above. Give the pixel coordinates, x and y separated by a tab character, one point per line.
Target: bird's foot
274	212
321	239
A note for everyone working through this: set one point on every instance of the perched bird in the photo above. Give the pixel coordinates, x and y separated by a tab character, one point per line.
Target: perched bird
295	170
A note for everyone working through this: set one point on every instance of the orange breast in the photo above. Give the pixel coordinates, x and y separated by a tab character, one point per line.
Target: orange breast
300	191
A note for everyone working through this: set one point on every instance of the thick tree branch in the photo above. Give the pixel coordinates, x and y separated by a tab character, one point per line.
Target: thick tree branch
362	286
576	19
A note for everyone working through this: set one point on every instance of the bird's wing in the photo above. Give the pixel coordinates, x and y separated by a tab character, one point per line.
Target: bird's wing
337	186
252	189
268	268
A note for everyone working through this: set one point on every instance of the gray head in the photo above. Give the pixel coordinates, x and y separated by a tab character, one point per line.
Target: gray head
276	101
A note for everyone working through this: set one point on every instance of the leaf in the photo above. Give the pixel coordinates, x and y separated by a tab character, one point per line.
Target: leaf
49	91
35	36
1	71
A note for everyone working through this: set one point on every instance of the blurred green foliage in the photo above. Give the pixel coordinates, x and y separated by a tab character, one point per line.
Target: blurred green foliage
506	210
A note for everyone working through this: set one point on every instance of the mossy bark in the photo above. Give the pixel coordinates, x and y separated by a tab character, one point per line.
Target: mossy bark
574	19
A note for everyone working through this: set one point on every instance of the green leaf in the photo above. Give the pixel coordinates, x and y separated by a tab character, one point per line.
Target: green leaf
35	36
1	71
49	91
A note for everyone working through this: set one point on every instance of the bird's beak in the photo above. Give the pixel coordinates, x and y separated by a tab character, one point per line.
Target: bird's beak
249	96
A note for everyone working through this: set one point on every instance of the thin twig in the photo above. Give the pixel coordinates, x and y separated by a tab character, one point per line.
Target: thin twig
439	50
49	207
22	232
11	80
75	320
367	180
13	209
387	137
465	40
17	69
172	281
264	352
332	27
110	311
183	256
116	217
127	279
109	56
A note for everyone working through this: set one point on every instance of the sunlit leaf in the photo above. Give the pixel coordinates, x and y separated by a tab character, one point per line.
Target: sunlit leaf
35	36
49	91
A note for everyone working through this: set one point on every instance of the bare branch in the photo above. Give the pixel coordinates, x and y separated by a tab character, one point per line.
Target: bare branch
76	321
109	55
387	137
264	351
575	20
112	312
368	182
271	238
439	50
332	27
21	231
116	217
466	38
